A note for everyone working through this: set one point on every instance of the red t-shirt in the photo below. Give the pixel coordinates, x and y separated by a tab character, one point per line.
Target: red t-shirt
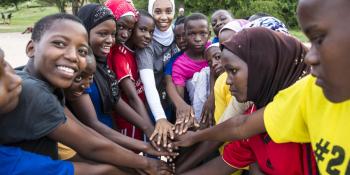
273	158
122	61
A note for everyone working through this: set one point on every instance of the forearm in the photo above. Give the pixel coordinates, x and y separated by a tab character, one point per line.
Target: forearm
173	94
130	115
139	107
152	96
201	152
236	128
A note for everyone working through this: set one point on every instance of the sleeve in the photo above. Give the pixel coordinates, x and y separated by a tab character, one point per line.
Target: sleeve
120	66
238	154
144	58
153	100
285	111
169	66
30	163
45	113
220	97
178	73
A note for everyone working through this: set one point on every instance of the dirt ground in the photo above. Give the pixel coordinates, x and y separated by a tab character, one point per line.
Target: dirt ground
14	45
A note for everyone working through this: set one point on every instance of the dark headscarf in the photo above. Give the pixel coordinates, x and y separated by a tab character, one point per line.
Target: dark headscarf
94	14
275	61
105	79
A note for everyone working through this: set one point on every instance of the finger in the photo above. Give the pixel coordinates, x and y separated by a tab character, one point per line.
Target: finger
196	124
154	144
155	132
165	137
141	172
172	136
159	138
181	128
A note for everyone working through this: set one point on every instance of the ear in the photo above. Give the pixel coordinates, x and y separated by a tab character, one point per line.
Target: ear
30	49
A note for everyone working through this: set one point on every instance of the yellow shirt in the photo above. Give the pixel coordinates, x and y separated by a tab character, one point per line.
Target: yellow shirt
301	113
222	99
222	96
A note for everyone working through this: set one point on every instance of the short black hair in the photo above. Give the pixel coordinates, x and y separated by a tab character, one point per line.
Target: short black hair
144	13
195	16
46	22
179	20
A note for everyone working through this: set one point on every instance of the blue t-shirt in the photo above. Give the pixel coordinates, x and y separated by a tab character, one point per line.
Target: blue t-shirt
215	40
169	67
96	100
15	161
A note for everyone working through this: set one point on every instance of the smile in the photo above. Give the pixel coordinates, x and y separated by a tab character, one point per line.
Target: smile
67	71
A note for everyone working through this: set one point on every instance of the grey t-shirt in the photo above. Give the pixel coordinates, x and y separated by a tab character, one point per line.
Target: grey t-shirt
37	114
155	56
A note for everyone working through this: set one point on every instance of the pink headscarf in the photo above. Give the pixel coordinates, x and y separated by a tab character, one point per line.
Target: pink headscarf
235	25
121	8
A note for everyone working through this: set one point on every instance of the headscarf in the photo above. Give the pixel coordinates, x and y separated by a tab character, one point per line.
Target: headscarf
269	22
275	61
165	38
121	8
235	25
212	45
107	85
94	14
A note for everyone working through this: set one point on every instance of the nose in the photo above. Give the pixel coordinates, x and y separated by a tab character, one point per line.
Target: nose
148	35
197	38
109	39
163	17
72	54
125	34
312	58
229	79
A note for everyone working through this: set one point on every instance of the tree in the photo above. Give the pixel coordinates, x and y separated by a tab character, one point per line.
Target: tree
11	2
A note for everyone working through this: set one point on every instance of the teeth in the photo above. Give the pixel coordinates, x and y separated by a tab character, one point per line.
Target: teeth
66	69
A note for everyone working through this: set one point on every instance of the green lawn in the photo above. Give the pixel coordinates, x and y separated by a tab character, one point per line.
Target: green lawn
299	34
25	17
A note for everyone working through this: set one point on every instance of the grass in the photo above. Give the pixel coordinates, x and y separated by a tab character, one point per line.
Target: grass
299	34
25	17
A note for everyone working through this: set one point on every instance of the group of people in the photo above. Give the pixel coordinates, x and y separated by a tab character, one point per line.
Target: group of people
112	89
6	19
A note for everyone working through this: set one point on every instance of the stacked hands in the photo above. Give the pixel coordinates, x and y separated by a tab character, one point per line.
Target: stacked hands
167	138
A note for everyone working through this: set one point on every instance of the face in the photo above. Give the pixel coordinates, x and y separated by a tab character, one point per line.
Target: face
330	39
219	19
163	14
225	35
81	82
180	40
102	38
60	54
213	55
237	75
10	86
197	35
125	26
143	32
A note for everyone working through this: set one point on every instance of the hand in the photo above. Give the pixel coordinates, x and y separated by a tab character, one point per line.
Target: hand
185	140
207	115
149	149
185	119
163	127
157	167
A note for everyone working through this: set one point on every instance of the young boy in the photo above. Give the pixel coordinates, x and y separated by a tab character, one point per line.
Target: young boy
315	109
192	60
57	52
218	19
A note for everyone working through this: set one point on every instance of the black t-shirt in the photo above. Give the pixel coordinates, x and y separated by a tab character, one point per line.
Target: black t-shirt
39	112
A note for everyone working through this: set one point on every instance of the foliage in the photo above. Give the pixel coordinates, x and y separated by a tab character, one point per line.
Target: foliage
11	2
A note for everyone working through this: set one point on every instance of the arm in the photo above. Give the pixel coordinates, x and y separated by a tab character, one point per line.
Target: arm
163	127
209	106
216	166
184	112
180	90
85	111
136	103
95	147
199	154
236	128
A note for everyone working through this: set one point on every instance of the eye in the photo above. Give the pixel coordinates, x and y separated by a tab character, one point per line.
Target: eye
78	79
59	44
83	52
102	34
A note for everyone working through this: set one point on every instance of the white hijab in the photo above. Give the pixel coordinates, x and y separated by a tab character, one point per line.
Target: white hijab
165	38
